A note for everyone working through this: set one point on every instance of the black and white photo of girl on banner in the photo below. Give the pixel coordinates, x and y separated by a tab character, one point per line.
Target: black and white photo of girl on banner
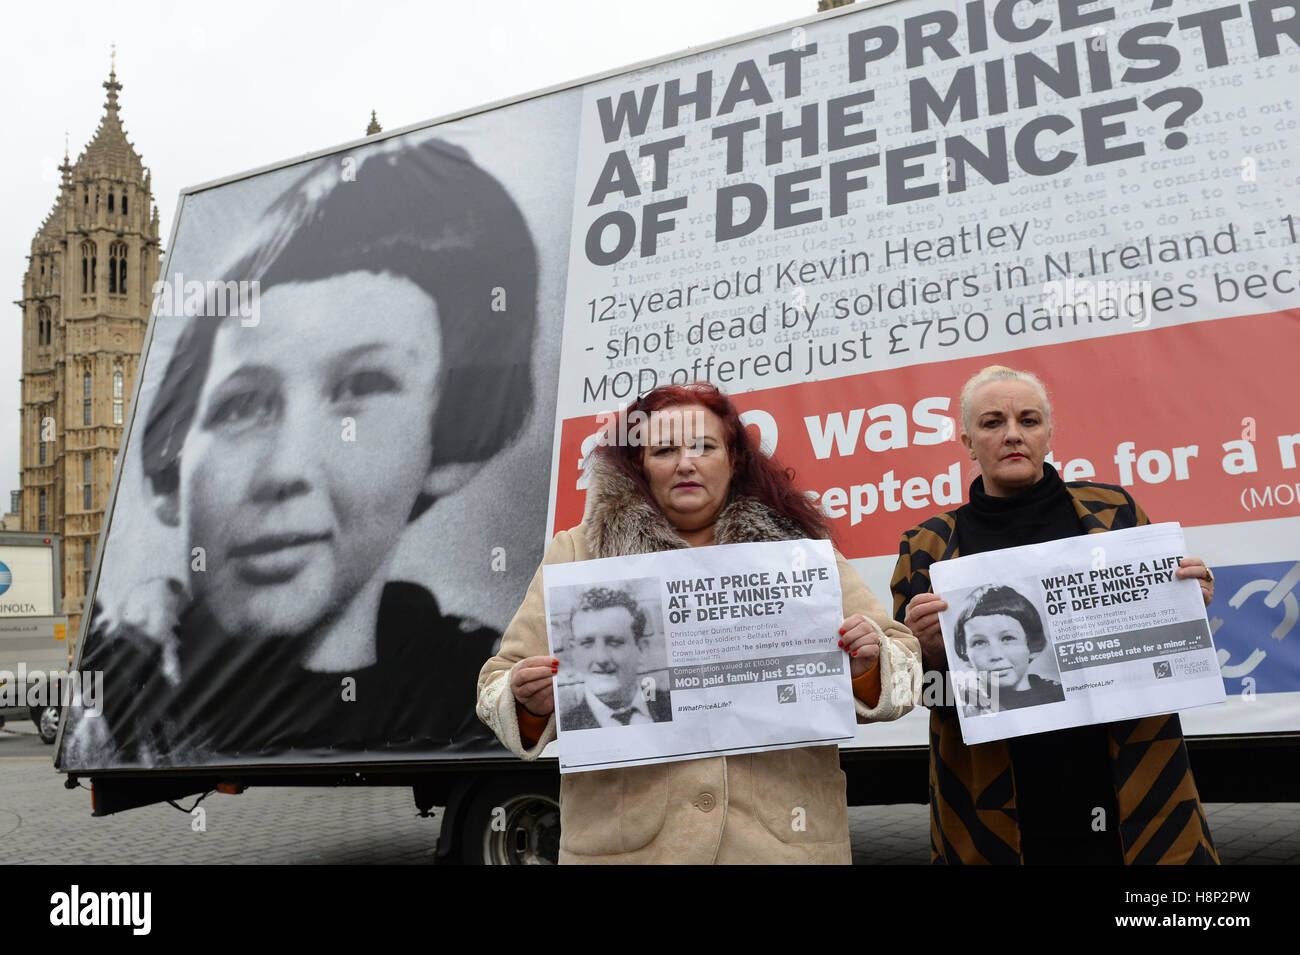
1006	661
296	460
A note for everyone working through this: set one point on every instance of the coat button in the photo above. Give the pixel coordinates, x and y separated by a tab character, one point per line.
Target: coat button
705	802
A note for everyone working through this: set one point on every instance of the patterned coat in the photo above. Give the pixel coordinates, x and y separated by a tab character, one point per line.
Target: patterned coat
972	788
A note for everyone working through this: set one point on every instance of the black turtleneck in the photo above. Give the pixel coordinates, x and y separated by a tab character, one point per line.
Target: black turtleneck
1041	513
1063	776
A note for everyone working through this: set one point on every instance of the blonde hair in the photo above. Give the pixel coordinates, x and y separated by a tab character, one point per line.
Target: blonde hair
1000	373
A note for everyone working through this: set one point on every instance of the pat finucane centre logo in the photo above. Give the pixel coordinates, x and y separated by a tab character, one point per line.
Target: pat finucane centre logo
6	577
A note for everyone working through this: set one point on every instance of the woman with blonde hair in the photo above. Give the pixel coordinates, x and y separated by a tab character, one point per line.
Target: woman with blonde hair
1104	794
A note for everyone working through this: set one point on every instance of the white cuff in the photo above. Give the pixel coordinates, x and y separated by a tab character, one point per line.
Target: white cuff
496	708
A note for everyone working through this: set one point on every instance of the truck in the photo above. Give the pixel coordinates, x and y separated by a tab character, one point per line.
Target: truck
33	634
837	220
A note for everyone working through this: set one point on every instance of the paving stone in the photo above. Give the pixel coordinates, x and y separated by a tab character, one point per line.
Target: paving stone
41	821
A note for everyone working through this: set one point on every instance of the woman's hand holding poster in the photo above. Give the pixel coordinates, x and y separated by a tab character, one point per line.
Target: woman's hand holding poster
1088	629
706	651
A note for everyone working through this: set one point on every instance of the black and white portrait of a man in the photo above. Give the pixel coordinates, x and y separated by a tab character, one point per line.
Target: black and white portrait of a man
611	652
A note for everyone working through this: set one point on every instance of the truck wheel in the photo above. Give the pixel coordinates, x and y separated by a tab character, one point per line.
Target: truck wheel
513	821
46	719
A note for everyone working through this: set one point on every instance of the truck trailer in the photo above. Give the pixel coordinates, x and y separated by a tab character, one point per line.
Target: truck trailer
373	372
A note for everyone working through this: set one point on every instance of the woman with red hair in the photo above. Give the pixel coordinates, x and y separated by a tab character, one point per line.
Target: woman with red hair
678	470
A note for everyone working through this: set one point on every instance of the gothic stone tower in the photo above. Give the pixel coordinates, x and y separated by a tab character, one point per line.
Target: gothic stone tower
85	307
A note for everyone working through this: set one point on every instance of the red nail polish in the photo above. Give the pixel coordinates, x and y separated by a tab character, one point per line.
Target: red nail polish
855	653
841	642
841	631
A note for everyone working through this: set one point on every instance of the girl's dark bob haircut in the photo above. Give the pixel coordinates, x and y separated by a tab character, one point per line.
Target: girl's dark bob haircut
426	213
1001	601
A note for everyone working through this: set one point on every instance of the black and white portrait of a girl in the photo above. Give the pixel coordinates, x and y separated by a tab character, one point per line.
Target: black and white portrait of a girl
313	561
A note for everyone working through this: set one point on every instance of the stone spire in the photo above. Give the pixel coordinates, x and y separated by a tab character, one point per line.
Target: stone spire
374	126
66	168
109	151
112	85
55	220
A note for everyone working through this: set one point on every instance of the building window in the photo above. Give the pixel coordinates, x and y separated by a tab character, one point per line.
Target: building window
40	524
85	469
87	497
85	412
88	554
87	268
124	203
44	325
40	503
110	202
86	384
117	268
43	453
118	403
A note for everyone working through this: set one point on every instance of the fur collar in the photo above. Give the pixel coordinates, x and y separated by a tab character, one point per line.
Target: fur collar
620	520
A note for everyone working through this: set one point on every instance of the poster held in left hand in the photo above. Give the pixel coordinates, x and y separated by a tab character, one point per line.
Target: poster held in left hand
702	652
1083	630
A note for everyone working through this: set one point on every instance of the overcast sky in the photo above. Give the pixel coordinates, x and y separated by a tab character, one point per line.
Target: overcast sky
213	89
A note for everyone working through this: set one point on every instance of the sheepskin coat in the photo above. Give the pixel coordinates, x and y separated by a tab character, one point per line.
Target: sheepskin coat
786	806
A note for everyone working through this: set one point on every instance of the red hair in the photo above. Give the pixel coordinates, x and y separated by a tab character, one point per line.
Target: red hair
753	473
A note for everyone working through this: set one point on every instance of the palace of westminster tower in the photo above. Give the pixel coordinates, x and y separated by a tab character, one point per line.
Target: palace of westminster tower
85	306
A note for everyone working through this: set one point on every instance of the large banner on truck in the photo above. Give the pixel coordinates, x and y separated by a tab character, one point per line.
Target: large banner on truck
335	490
843	222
